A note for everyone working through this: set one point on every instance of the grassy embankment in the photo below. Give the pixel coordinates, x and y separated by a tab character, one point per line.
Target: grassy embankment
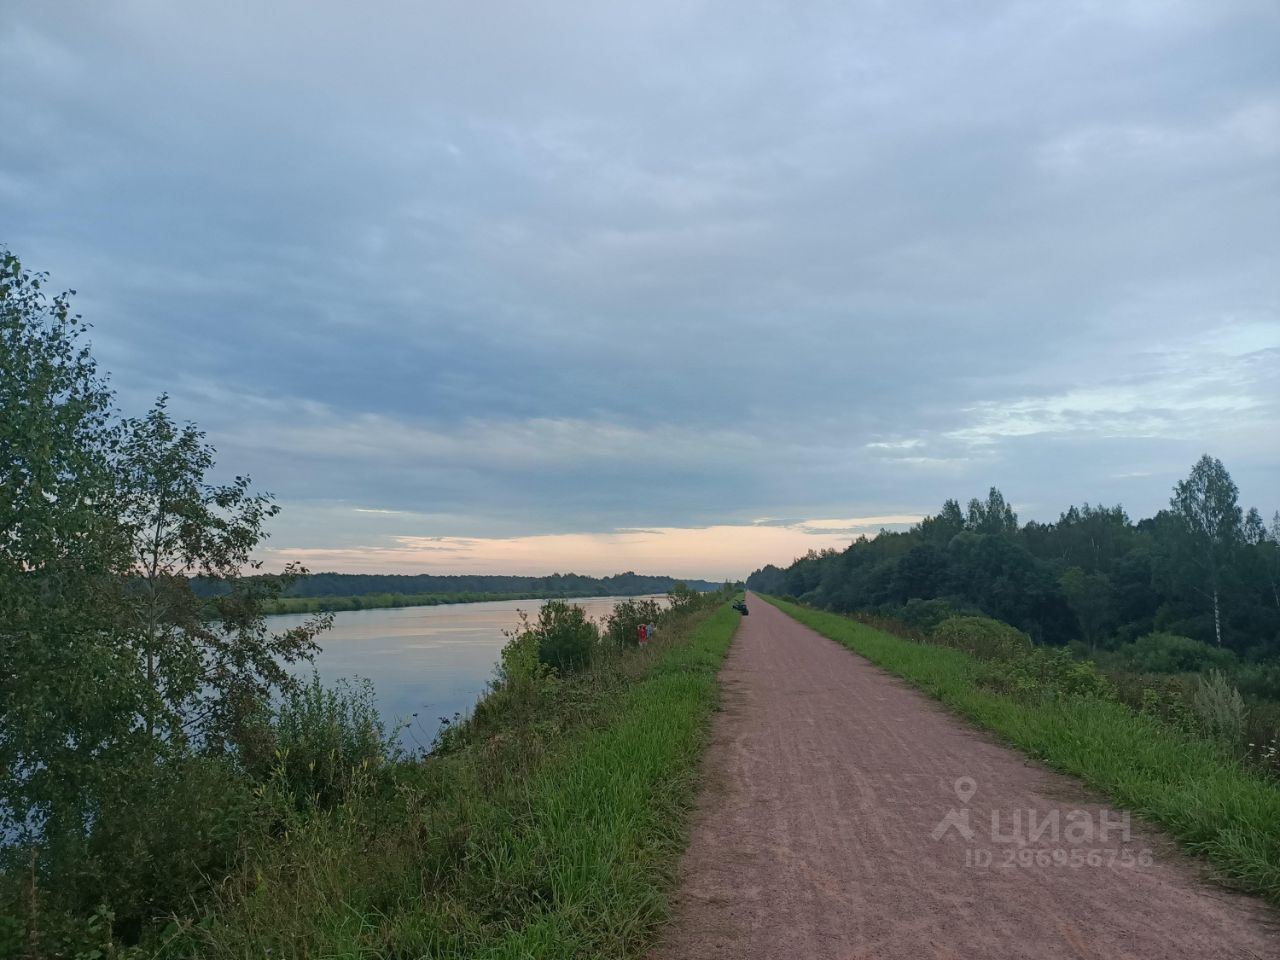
1213	804
549	825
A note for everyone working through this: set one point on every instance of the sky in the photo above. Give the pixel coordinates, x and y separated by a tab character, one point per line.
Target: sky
683	288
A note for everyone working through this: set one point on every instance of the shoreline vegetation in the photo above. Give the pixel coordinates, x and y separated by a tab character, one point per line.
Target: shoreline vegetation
326	840
382	601
334	592
480	850
1179	764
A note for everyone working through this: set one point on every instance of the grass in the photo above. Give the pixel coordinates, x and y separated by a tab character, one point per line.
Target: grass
1214	805
549	827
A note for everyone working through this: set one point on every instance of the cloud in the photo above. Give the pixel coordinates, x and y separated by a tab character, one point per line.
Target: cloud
559	269
896	445
1245	135
1177	390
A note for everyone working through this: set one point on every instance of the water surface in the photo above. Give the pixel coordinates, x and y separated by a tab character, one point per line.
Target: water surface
426	663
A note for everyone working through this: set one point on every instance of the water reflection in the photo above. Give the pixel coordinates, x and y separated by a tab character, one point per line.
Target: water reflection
429	661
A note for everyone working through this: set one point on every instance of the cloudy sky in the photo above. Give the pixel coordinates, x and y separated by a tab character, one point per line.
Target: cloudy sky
679	287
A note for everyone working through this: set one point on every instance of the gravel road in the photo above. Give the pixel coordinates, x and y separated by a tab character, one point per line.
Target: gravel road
846	815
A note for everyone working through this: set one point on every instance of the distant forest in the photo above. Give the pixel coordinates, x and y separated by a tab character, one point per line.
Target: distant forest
1203	569
557	585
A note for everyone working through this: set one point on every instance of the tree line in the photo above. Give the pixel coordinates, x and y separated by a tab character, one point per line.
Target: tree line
1203	568
629	584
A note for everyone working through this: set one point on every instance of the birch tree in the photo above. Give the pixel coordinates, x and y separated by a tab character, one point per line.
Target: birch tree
109	662
1207	504
67	696
206	664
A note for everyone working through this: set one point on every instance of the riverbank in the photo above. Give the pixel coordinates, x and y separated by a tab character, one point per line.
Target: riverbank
384	601
427	664
549	823
326	592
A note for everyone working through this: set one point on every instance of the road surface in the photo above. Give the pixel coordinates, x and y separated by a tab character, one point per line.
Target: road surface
846	815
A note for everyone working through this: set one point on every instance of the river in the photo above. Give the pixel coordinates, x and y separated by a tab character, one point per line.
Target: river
426	663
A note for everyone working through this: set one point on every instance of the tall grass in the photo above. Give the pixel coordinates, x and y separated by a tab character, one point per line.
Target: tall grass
554	835
1214	805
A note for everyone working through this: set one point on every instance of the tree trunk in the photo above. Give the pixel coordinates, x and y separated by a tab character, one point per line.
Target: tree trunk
1217	617
153	618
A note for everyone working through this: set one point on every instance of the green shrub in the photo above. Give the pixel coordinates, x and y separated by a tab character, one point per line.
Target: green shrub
1081	650
325	737
566	637
1262	733
1221	712
1258	681
161	835
891	625
1166	698
163	832
622	626
1044	673
927	615
520	696
1079	678
684	599
982	637
1170	653
519	663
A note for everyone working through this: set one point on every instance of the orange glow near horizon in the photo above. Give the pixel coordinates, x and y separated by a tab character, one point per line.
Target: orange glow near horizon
713	553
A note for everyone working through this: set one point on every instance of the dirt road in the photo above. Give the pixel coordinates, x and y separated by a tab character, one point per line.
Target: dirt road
846	815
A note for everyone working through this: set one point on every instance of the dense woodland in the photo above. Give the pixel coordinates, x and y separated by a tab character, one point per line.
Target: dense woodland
1202	569
557	585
